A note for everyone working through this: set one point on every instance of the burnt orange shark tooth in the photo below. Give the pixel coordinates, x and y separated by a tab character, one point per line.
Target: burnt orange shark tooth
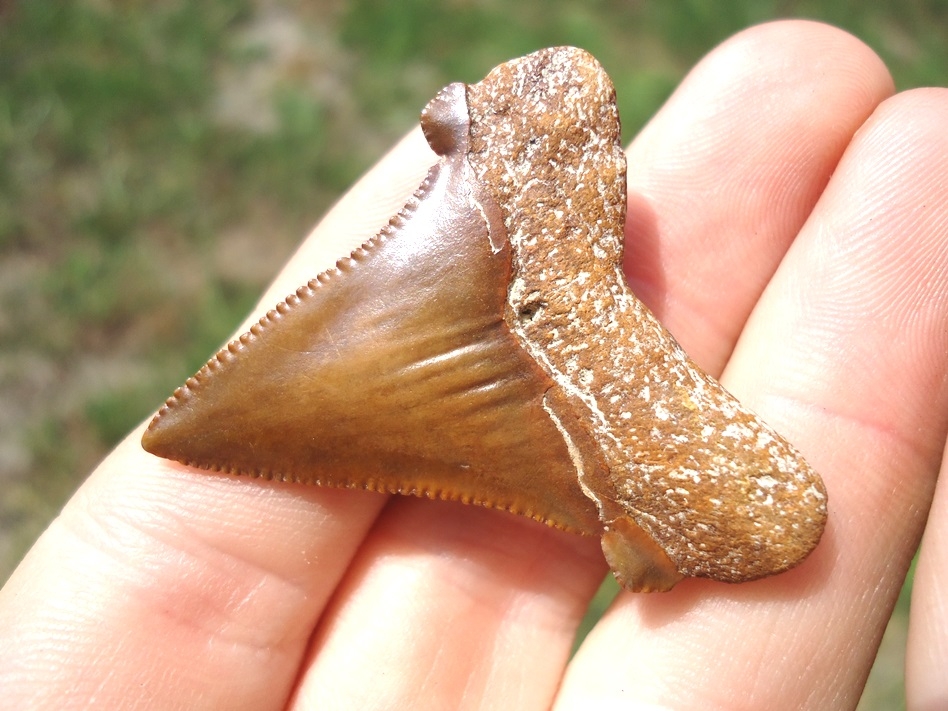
485	347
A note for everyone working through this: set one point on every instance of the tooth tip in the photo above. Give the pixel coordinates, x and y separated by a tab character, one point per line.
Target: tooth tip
164	435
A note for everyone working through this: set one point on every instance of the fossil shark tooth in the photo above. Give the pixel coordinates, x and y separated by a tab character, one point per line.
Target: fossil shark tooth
485	347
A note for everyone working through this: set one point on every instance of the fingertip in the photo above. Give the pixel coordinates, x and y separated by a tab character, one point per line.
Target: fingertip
907	132
817	47
726	173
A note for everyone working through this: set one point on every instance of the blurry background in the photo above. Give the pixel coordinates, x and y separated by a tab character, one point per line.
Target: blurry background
159	162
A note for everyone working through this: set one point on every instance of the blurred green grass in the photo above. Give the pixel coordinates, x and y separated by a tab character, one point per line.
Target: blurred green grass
160	161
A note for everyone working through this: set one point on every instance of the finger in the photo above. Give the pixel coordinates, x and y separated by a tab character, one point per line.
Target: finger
420	617
846	354
723	178
183	589
927	654
456	610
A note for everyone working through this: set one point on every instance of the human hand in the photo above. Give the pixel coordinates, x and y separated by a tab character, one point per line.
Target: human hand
787	224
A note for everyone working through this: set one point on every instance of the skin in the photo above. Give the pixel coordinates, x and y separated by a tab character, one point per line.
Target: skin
787	222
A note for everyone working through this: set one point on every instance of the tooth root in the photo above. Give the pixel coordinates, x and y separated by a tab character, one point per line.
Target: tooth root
640	564
485	347
720	493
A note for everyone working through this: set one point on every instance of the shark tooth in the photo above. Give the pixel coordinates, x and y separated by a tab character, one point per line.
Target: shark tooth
485	347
